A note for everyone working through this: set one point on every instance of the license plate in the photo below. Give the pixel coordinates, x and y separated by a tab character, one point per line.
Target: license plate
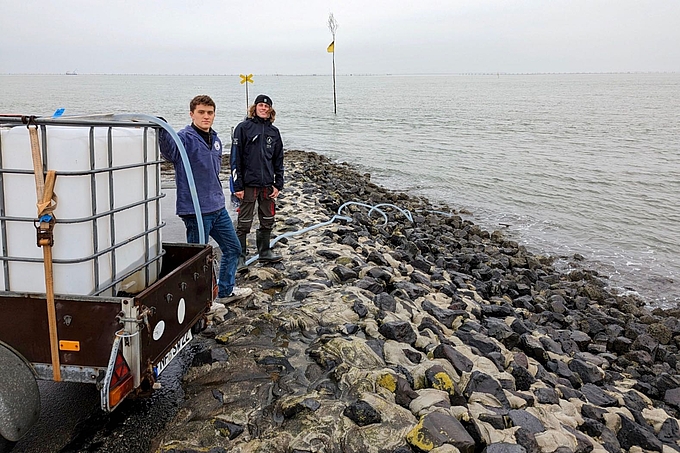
181	344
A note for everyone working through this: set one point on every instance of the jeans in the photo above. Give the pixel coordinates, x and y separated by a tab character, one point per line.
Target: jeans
218	226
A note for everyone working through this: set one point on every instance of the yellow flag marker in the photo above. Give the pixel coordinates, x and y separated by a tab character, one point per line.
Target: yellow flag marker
248	78
331	47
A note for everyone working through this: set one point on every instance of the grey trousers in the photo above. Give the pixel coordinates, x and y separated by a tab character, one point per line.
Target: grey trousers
266	209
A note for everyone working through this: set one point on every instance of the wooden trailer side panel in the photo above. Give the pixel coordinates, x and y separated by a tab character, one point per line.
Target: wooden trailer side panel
86	328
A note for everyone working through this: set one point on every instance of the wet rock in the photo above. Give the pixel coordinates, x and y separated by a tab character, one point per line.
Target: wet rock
385	302
328	254
208	356
496	420
503	447
360	309
631	434
595	395
443	315
609	440
498	311
569	393
483	344
362	413
291	407
527	439
411	290
377	258
344	273
526	420
621	345
305	289
533	347
669	432
398	331
592	427
645	343
499	330
380	274
229	430
437	378
546	395
583	443
672	397
523	378
588	372
483	383
436	429
370	284
392	383
594	412
460	362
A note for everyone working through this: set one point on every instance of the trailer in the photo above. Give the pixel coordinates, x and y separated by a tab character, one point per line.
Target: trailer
119	344
89	292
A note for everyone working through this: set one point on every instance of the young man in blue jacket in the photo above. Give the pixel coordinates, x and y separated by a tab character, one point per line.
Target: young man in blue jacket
204	150
257	175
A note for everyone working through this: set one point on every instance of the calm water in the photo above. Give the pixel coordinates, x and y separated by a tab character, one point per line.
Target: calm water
585	164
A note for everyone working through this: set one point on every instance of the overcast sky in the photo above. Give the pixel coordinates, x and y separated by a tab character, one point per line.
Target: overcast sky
374	36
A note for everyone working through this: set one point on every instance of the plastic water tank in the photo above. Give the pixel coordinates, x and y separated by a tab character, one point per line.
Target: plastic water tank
107	236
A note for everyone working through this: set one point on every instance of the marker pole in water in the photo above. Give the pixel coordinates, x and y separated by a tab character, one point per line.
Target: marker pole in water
245	80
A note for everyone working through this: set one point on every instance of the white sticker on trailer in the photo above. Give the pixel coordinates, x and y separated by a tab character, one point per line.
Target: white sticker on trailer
181	344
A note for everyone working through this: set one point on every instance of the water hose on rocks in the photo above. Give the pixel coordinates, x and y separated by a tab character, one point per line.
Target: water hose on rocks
371	209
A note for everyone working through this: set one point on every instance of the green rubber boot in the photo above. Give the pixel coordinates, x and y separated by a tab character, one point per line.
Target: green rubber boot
244	253
266	254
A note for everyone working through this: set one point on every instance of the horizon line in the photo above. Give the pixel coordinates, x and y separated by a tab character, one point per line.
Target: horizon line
367	74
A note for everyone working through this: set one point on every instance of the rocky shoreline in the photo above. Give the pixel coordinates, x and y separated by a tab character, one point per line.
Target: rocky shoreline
422	334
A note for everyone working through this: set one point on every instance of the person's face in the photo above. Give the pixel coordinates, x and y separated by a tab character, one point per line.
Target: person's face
262	110
203	117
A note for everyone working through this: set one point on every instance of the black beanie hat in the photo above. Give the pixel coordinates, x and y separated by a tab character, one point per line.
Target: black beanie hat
263	98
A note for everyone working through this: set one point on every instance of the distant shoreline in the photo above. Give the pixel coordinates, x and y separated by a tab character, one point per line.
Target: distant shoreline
351	74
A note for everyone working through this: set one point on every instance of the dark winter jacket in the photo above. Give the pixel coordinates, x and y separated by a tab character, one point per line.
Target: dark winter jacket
205	162
256	155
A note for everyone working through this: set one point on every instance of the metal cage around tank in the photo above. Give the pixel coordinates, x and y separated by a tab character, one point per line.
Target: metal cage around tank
115	236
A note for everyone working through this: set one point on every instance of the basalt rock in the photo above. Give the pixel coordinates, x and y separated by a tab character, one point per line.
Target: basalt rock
546	361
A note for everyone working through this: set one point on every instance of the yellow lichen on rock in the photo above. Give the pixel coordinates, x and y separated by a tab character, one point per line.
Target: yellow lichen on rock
418	439
443	381
387	381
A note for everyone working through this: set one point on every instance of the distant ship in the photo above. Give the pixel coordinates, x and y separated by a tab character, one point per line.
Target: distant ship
71	72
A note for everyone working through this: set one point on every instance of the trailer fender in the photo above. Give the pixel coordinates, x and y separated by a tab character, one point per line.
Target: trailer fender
19	395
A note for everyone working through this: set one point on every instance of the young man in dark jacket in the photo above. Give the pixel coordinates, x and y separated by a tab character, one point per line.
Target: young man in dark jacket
204	150
257	174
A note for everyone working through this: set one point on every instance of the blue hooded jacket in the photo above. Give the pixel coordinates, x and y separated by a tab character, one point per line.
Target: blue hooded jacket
205	162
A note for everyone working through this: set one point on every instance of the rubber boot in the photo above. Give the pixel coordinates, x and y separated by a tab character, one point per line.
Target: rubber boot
244	253
266	255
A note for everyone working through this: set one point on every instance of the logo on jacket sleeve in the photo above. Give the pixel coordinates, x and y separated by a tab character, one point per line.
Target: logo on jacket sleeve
269	142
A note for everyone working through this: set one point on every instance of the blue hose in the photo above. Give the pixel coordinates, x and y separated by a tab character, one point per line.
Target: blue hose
185	161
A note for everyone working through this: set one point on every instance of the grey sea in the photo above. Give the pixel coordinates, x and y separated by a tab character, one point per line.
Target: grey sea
566	164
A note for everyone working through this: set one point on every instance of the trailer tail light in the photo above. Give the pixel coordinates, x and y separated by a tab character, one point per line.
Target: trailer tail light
122	382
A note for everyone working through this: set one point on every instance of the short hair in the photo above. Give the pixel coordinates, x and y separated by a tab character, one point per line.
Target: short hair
252	114
201	99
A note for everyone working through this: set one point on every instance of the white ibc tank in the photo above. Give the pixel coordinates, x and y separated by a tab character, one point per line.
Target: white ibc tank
107	236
